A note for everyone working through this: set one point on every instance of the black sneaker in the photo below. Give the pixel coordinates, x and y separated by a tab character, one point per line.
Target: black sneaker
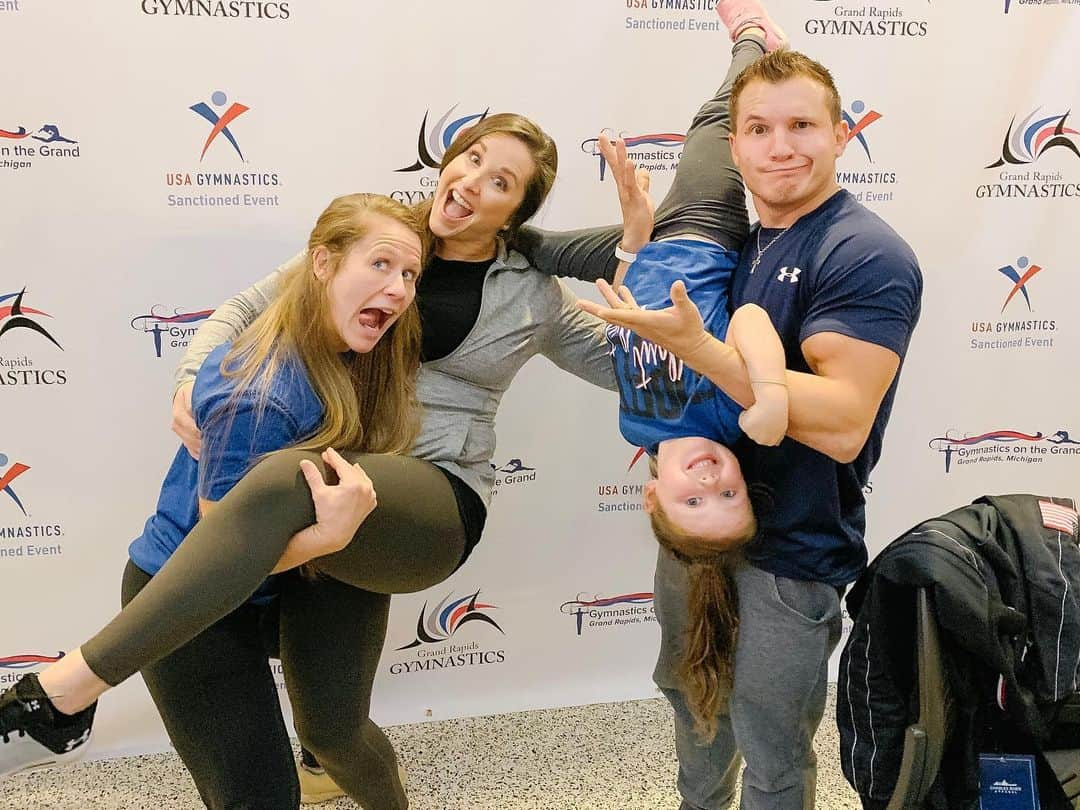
33	734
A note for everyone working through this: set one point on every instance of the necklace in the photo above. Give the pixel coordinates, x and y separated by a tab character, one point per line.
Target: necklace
760	250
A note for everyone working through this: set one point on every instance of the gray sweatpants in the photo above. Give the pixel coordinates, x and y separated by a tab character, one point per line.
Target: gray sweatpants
787	631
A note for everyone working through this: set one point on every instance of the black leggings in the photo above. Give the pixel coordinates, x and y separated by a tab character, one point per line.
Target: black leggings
218	700
331	636
413	540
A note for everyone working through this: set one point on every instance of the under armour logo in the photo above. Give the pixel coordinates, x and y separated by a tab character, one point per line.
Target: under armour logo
72	744
789	274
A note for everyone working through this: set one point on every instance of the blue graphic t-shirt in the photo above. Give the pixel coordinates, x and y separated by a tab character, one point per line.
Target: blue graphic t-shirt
236	432
659	397
840	269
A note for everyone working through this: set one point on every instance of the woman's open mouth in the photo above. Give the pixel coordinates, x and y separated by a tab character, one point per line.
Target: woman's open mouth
456	207
374	318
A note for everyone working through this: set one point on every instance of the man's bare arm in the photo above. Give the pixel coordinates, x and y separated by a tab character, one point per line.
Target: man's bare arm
830	410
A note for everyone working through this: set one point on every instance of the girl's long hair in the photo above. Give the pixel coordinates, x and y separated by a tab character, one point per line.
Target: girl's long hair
706	670
369	399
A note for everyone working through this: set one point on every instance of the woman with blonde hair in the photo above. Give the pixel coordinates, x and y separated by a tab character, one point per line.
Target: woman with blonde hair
331	363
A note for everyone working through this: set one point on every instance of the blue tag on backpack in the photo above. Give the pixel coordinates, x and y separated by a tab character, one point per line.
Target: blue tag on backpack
1007	782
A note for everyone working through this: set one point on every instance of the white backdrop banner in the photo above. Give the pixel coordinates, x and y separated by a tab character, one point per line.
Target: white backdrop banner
157	156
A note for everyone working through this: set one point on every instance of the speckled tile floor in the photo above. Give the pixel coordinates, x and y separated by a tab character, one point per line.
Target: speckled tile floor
617	756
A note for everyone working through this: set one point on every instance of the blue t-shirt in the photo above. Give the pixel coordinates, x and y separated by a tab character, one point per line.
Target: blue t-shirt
841	269
236	432
660	397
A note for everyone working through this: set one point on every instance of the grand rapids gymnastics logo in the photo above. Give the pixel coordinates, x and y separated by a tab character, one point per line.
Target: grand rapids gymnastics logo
173	330
218	9
432	648
14	314
869	21
1005	446
431	144
1039	137
13	667
22	330
1025	327
20	147
623	610
238	184
656	151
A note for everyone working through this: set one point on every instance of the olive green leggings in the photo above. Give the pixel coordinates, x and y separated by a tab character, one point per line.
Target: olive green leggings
414	539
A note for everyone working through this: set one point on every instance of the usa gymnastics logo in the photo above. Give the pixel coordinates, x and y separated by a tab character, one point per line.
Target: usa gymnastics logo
433	141
1025	329
610	611
668	15
219	123
1019	282
657	151
878	185
1004	447
174	331
7	480
30	536
19	146
449	616
248	187
621	495
856	128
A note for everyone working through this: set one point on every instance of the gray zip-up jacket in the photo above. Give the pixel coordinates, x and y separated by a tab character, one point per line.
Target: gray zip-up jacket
523	313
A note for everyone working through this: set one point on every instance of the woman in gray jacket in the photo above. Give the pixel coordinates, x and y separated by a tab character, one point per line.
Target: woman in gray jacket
485	311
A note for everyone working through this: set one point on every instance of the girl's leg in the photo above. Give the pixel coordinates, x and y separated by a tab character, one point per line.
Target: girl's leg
414	539
331	639
218	700
706	197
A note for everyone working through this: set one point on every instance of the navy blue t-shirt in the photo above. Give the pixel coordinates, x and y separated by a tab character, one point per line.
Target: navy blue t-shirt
841	269
659	396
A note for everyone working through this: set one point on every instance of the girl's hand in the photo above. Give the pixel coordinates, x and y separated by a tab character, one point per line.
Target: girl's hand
638	209
678	328
766	421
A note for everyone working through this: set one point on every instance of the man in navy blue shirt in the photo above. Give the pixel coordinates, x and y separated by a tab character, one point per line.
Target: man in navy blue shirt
843	291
